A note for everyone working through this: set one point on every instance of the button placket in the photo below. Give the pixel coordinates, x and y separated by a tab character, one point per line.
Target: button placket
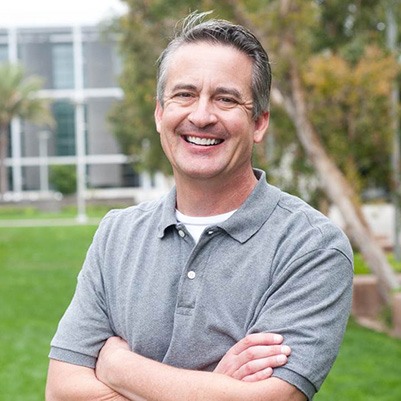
189	286
191	281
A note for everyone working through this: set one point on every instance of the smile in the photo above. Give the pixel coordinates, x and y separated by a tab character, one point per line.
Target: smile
203	141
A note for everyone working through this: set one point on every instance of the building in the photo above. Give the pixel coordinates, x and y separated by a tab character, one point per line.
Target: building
80	68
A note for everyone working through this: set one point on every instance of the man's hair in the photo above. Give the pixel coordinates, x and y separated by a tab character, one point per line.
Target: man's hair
216	31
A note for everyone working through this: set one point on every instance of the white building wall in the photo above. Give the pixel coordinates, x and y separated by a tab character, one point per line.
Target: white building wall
96	69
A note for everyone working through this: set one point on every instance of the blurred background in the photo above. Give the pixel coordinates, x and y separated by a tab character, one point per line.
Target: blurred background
77	137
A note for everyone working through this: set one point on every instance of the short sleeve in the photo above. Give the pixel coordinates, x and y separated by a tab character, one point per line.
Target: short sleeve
85	325
309	304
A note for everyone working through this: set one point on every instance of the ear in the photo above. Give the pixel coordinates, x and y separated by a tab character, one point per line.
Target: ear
261	125
158	115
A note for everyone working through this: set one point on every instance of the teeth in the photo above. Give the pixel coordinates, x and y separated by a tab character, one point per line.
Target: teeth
203	141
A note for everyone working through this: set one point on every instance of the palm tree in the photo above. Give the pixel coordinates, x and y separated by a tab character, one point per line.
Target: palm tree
17	99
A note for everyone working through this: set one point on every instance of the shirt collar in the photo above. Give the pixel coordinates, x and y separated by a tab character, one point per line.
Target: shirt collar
255	211
245	222
168	218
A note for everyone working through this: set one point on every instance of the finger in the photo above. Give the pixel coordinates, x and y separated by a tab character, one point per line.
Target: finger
261	375
256	339
262	366
231	363
261	351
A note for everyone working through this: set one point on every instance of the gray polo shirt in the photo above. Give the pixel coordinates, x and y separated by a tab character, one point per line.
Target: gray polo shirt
275	265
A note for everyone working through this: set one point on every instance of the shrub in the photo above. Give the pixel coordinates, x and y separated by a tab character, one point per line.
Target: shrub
63	178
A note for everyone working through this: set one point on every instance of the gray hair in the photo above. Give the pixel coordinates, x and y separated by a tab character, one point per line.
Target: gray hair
195	29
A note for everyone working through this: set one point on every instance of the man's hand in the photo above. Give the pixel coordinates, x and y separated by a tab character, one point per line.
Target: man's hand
254	357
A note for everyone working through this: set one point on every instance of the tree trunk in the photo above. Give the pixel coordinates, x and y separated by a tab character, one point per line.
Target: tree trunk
3	156
336	187
332	181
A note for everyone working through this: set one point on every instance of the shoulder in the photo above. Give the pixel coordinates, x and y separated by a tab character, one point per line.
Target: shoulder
308	228
124	221
130	214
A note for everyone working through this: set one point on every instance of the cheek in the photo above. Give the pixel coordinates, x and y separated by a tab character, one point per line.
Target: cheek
173	114
166	146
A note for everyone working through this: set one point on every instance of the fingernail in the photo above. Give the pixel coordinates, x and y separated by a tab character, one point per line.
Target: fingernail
281	359
286	350
278	338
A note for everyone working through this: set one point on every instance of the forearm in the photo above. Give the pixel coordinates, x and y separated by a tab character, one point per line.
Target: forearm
71	382
158	382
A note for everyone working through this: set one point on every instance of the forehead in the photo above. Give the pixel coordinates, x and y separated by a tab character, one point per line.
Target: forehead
208	62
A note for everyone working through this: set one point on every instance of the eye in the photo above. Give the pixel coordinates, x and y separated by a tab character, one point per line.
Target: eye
183	95
227	101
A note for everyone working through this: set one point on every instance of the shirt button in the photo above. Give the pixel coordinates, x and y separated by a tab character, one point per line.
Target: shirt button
191	275
181	233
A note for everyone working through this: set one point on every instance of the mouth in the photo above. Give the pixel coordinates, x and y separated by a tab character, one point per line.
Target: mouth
194	140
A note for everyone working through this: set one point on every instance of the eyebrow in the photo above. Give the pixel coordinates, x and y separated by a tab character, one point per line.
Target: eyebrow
222	90
229	91
183	86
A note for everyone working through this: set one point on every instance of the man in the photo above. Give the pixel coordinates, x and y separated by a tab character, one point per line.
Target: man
179	298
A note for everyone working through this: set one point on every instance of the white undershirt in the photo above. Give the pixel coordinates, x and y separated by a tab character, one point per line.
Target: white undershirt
196	225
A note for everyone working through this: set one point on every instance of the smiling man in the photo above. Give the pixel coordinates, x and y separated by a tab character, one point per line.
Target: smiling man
225	289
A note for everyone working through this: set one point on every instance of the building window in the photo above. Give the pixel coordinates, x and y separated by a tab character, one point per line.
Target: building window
64	114
63	66
3	53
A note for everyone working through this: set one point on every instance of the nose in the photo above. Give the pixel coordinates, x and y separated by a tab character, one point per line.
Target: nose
202	113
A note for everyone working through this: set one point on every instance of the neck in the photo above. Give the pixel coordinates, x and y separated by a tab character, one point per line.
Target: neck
207	197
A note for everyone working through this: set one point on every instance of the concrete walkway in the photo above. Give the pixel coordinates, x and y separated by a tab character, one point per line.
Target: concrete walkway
4	223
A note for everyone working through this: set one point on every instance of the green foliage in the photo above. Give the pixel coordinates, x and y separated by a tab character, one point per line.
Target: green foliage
360	266
350	108
344	24
340	46
63	178
17	96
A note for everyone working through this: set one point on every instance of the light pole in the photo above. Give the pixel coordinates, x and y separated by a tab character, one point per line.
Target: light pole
80	127
44	165
392	33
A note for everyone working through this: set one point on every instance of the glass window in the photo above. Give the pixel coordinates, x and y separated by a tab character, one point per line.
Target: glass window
64	114
3	53
63	66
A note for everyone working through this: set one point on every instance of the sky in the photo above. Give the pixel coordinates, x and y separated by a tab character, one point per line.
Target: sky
31	13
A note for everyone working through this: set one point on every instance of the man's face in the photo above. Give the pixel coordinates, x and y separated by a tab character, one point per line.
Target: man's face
206	125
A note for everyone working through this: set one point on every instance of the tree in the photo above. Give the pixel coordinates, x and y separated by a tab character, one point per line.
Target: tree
292	18
17	99
318	49
335	32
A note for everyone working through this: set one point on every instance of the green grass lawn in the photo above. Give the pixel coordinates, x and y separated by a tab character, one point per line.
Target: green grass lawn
368	368
38	269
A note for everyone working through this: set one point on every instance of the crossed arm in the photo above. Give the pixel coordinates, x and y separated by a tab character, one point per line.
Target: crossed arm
243	373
